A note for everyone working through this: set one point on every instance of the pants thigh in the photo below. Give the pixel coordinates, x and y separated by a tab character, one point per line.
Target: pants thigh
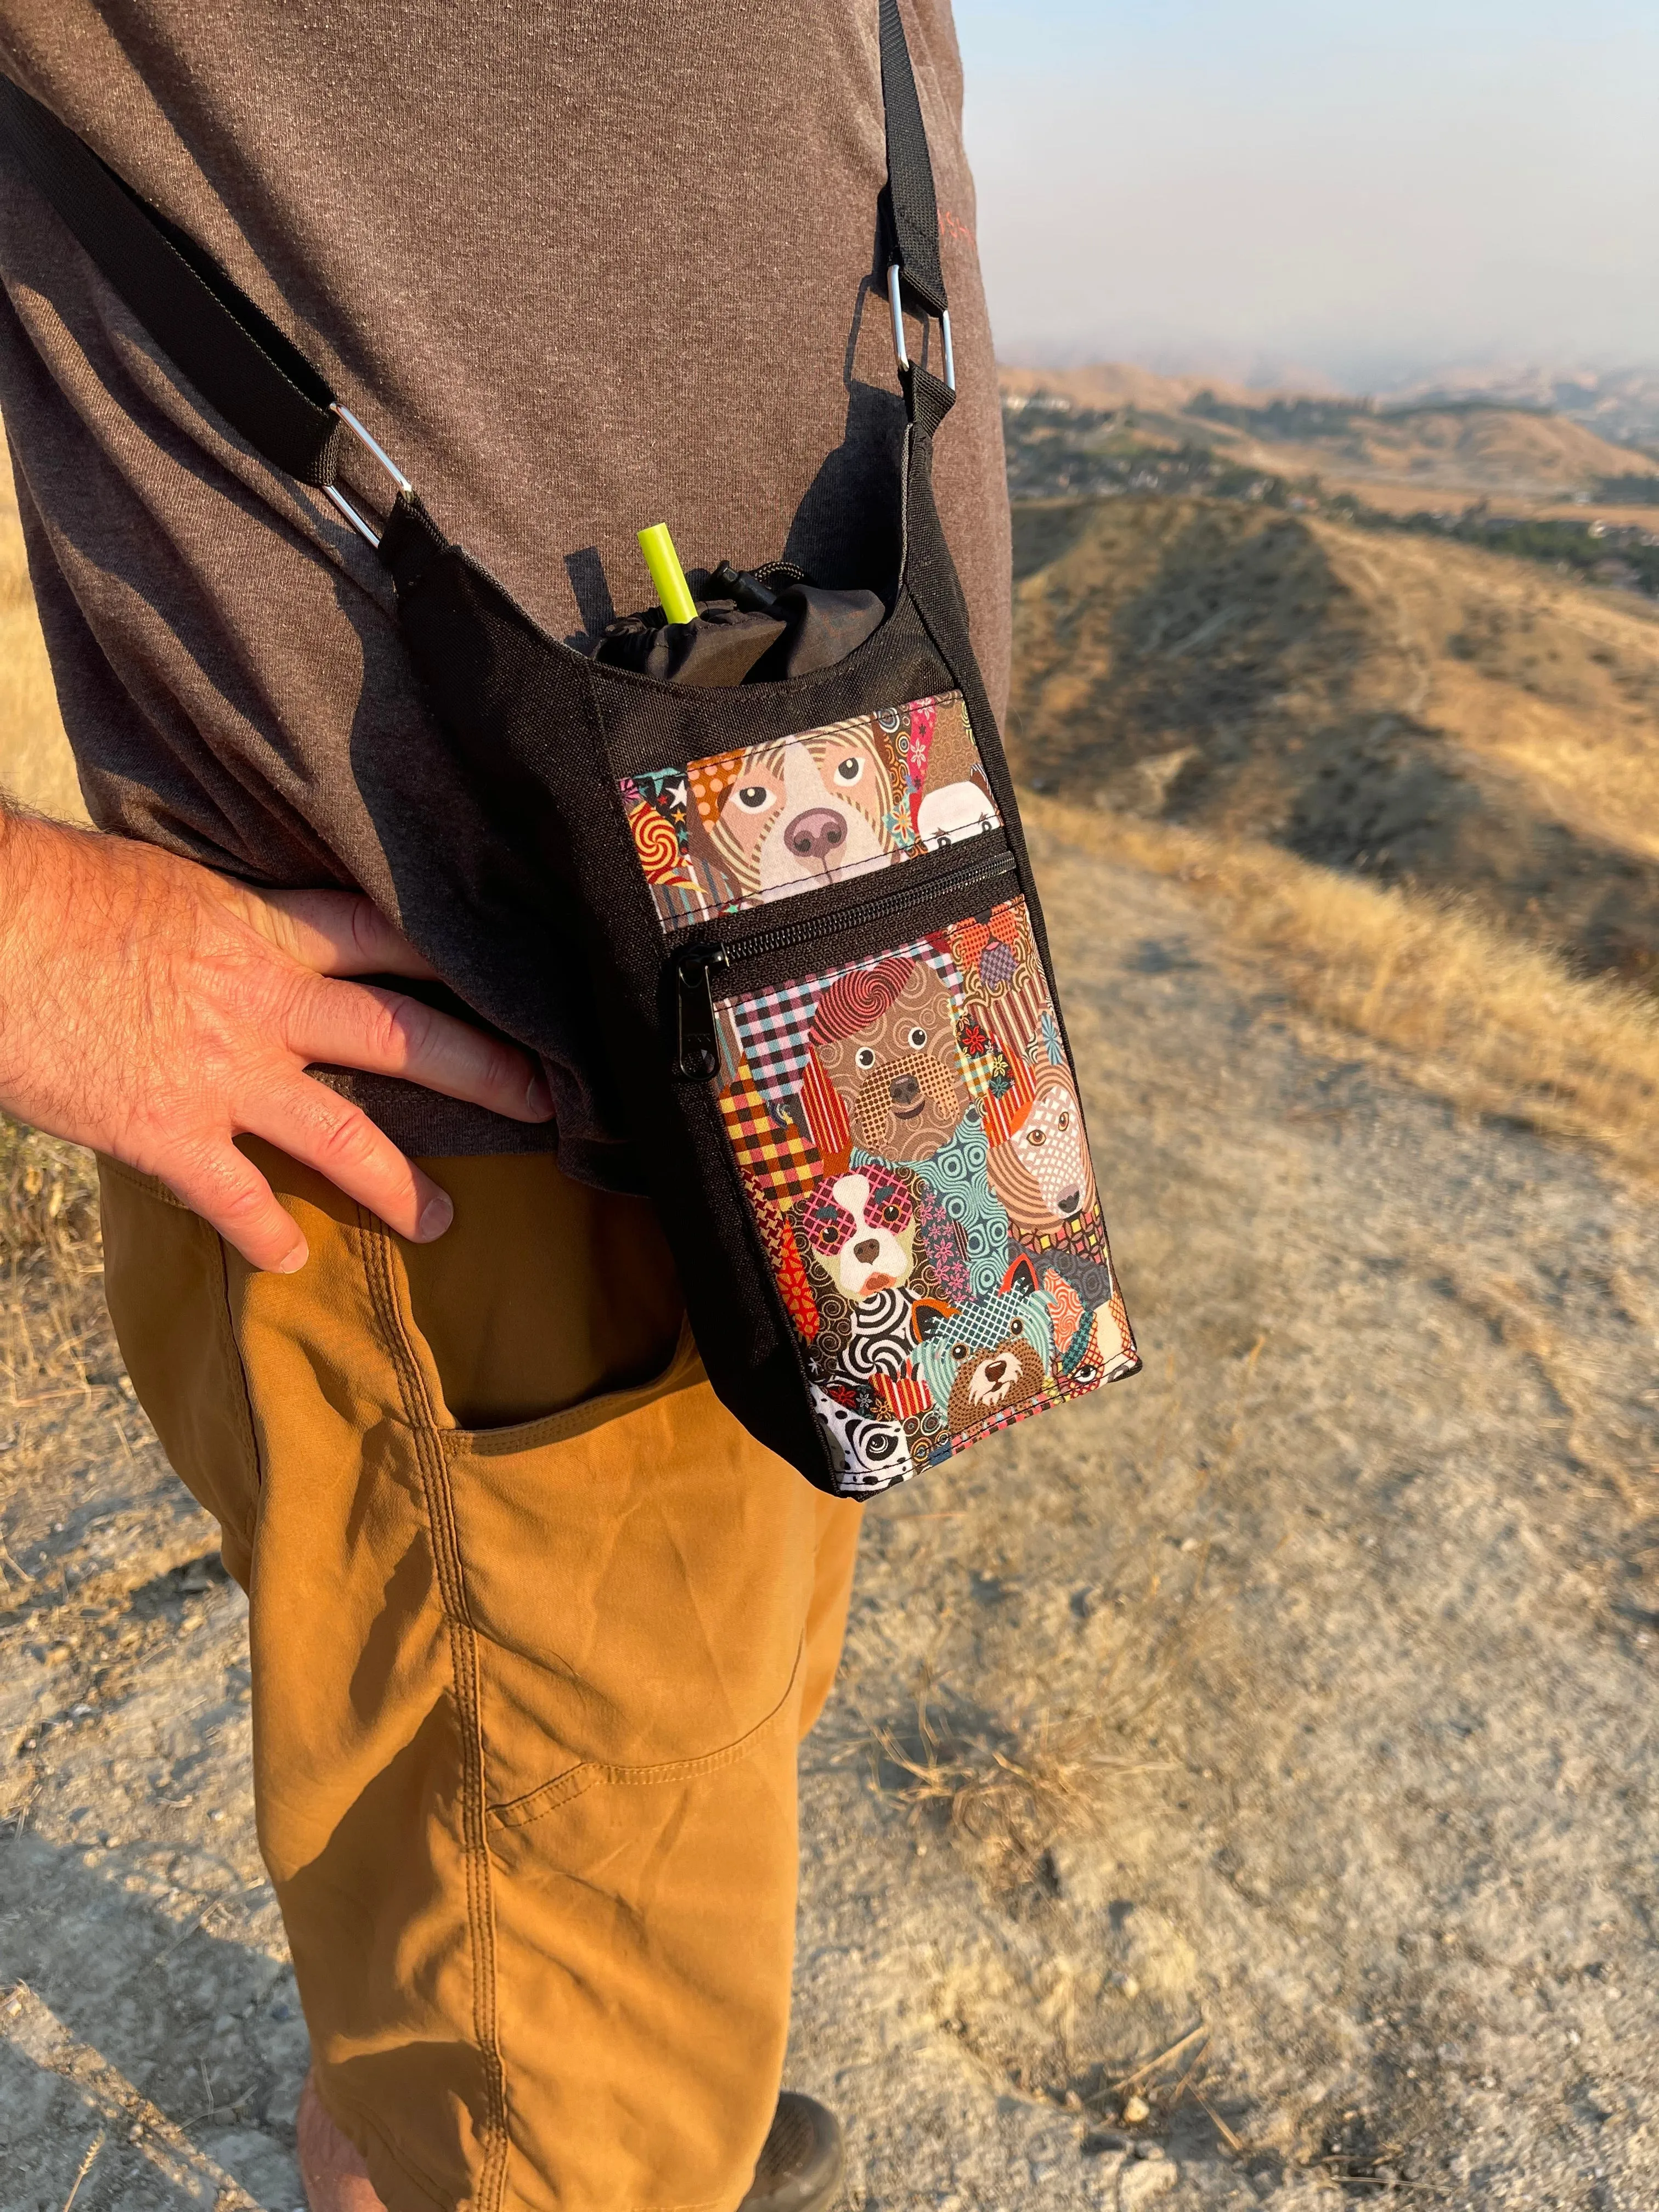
535	1626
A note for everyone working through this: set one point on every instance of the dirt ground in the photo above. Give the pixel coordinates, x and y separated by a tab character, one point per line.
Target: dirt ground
1240	1788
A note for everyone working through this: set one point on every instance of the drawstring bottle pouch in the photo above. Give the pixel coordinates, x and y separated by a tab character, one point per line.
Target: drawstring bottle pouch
810	957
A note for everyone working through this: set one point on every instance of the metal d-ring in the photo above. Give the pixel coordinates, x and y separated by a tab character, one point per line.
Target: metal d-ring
895	295
360	523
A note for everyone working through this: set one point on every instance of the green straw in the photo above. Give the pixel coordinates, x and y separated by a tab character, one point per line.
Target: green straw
666	574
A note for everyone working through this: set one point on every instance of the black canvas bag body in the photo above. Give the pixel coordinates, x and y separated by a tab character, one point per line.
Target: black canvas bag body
798	918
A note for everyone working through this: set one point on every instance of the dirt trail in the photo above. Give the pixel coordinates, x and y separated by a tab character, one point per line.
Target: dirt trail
1296	1699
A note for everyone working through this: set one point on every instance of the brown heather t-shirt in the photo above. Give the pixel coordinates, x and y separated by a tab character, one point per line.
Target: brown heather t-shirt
579	267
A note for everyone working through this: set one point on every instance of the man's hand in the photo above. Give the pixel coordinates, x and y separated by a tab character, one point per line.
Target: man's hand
155	1010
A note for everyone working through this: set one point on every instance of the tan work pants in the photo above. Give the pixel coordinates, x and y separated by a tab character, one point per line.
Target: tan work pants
535	1626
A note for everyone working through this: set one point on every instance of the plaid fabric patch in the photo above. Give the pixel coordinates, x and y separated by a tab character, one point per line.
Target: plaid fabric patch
774	1026
775	1152
1086	1235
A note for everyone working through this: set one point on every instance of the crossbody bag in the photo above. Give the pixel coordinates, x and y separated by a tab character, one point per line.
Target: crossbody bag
798	915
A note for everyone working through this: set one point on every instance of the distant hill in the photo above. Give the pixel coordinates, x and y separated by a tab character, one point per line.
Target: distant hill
1114	384
1620	404
1399	706
1478	446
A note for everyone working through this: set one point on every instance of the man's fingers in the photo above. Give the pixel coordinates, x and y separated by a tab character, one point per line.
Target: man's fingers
313	1124
357	1025
336	932
229	1193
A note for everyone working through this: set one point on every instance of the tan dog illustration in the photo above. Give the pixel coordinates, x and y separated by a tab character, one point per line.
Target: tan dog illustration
1042	1174
800	813
886	1040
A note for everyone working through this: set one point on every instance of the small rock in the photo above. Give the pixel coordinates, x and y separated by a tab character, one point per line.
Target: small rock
1140	2184
1135	2109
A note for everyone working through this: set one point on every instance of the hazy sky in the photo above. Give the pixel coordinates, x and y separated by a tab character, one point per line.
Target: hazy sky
1366	192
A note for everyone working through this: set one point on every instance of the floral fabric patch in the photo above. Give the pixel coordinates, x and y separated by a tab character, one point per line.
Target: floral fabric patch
911	1144
739	829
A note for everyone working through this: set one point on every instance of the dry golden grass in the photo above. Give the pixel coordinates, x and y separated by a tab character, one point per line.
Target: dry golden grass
1551	681
55	1344
48	1197
1484	1018
35	763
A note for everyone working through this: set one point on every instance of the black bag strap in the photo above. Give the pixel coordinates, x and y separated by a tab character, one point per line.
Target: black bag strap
263	386
908	209
228	348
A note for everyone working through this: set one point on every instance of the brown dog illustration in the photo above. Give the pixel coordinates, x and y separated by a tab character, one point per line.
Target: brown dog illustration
983	1358
886	1040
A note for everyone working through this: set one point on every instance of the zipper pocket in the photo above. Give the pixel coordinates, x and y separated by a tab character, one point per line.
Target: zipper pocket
697	1052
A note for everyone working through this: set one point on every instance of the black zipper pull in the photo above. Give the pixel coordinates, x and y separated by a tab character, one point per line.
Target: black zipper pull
698	1057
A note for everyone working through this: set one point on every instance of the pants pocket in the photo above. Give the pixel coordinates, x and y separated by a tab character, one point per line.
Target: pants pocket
639	1572
165	1284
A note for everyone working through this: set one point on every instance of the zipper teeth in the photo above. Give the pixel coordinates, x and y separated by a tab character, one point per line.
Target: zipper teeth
764	941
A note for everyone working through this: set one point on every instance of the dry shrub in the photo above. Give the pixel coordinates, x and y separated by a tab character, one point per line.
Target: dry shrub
1487	1020
1008	1791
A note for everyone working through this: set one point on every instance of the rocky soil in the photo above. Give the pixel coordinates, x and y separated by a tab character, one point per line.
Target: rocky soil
1241	1787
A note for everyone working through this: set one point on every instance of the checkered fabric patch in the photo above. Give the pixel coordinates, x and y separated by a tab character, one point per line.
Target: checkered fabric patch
775	1152
774	1026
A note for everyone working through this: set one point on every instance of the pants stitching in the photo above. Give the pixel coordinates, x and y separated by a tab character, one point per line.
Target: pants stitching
535	1804
225	1323
435	1477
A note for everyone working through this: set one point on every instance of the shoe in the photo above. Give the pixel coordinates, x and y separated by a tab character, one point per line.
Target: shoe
799	2166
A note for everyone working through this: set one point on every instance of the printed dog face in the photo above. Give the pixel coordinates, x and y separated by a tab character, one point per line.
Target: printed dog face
868	1451
862	1226
885	1039
981	1358
801	812
1042	1174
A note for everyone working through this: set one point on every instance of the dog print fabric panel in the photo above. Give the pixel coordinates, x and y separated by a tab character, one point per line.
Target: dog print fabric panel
909	1139
739	829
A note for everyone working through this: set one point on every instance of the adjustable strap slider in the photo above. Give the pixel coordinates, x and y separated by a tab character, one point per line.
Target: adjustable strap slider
360	523
895	300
